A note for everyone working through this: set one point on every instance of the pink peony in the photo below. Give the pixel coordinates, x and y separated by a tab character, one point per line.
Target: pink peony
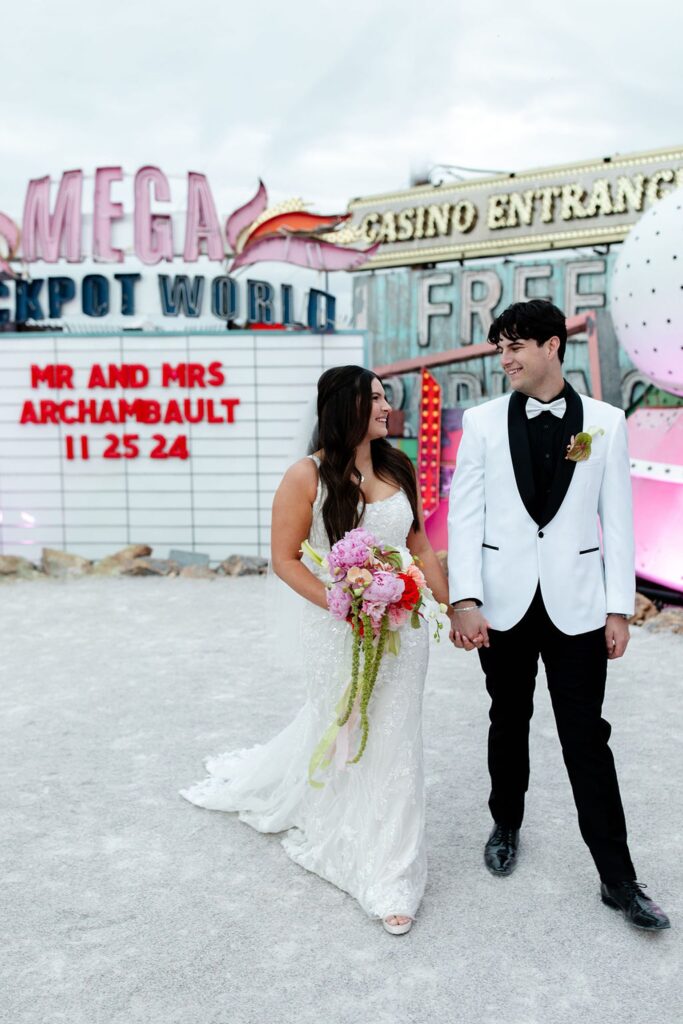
338	601
352	550
385	588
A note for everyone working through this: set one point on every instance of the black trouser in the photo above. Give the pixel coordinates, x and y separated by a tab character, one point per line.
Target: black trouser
576	667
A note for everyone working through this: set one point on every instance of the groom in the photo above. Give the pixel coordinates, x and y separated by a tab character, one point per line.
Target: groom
532	573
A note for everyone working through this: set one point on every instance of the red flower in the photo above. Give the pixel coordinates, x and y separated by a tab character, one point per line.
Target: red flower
411	594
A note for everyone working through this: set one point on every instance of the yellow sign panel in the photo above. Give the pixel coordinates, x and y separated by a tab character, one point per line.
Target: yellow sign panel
589	203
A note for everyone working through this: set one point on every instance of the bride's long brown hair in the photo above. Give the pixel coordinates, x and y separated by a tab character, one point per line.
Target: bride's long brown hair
344	410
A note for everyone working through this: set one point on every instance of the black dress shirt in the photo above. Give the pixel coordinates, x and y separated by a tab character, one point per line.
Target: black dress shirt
545	443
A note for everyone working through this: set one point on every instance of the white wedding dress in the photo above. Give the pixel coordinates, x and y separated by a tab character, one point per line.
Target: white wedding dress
364	830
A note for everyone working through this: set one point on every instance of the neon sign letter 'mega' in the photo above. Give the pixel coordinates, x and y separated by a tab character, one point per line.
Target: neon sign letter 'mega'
53	235
284	233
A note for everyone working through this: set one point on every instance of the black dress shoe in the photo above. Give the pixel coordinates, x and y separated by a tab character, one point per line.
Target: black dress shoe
637	908
500	852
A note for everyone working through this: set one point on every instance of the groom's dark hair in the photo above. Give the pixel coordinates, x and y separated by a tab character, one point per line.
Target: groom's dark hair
537	319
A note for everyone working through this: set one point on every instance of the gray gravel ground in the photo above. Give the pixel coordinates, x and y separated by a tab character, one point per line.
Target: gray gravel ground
124	903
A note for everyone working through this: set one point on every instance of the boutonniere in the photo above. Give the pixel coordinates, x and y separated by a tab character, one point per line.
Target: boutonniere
580	446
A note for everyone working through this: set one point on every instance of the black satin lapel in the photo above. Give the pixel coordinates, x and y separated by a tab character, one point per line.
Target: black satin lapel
573	424
521	452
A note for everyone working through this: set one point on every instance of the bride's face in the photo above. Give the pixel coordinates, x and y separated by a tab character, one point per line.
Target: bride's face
378	425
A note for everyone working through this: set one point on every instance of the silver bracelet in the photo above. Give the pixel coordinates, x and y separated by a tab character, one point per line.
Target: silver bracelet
472	608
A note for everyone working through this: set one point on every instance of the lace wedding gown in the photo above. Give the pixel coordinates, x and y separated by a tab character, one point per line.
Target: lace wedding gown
364	830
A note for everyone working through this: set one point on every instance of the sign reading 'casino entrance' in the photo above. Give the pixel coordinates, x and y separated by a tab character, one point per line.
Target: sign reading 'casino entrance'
590	203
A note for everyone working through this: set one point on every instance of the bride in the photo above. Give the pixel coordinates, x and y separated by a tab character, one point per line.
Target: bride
363	830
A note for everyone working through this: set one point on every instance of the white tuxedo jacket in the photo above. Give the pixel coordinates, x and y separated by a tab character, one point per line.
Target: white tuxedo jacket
580	549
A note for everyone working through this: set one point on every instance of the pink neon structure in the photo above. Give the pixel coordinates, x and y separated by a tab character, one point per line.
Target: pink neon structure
290	238
656	449
10	232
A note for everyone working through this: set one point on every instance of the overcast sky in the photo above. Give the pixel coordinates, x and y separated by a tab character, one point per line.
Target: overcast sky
330	100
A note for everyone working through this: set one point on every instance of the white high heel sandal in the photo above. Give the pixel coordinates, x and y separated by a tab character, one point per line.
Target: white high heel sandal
397	929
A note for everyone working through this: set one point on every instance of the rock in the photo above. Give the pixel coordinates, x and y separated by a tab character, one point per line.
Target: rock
15	565
645	609
132	551
198	572
671	620
152	567
121	561
62	564
112	565
243	565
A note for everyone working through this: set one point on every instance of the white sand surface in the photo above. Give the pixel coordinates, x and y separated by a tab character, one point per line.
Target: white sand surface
122	903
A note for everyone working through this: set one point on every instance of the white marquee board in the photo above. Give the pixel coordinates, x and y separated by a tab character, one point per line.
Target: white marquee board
216	501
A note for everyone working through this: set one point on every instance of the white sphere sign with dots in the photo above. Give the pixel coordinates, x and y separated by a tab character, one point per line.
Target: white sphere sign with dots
647	293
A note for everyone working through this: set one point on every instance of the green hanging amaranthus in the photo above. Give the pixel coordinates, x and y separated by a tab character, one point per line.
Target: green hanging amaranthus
365	681
371	662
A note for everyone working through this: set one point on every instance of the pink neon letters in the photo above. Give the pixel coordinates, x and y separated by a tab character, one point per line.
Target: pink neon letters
44	232
52	226
104	212
202	220
153	231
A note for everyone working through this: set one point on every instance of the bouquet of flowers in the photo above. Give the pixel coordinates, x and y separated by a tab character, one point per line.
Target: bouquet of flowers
378	589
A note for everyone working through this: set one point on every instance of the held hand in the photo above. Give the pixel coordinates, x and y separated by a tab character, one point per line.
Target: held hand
616	636
469	629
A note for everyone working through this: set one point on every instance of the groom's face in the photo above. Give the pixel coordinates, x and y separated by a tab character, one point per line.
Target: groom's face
526	363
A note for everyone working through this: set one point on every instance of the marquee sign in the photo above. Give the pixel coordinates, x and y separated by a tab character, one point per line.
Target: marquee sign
587	203
175	440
